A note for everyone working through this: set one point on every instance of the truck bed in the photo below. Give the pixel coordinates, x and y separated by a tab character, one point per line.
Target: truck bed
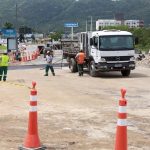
70	47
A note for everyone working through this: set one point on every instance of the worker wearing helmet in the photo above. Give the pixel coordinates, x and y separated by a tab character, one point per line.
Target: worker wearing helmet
80	57
4	59
49	65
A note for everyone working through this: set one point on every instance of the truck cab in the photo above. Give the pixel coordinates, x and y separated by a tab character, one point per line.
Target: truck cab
109	50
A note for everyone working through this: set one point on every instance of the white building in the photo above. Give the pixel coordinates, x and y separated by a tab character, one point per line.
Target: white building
106	22
101	23
134	23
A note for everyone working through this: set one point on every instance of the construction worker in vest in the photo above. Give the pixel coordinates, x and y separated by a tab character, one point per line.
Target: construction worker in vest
80	57
4	66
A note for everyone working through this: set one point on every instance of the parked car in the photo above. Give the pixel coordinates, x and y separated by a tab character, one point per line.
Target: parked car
41	48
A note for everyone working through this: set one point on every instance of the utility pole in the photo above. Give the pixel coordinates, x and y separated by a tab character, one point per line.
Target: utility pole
72	33
0	22
16	15
16	25
86	26
91	24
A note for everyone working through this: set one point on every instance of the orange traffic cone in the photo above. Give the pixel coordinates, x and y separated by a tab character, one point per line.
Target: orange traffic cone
32	140
121	133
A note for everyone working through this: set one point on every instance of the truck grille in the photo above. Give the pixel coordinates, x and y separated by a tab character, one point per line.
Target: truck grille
118	58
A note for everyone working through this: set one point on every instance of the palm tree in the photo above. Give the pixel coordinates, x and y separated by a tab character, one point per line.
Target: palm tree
8	25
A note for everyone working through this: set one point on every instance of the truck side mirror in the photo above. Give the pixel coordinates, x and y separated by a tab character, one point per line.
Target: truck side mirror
95	41
91	41
136	40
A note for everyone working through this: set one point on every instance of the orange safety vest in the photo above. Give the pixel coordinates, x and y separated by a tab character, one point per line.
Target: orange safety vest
80	58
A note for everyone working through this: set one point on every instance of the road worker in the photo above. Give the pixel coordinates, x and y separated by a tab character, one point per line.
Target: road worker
80	57
4	59
49	65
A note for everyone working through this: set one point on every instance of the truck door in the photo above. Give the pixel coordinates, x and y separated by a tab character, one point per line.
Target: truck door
85	44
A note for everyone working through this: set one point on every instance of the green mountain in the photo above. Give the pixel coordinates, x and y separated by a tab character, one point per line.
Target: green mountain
50	15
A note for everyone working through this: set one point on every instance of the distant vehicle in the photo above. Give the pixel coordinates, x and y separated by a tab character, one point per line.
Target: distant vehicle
3	41
106	50
41	48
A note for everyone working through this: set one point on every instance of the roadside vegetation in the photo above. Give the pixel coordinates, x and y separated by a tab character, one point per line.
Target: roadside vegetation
2	47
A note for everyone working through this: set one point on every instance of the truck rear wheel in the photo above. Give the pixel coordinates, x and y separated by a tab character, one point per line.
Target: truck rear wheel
92	70
73	65
125	73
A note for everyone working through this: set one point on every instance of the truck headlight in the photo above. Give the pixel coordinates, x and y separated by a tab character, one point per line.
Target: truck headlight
132	59
132	65
103	60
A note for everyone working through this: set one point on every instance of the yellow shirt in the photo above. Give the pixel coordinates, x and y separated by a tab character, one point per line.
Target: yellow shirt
4	60
0	59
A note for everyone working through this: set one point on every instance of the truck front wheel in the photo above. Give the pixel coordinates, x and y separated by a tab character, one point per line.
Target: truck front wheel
92	70
73	65
125	73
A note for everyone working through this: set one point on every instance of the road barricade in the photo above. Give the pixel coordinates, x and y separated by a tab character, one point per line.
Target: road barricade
29	55
29	58
23	56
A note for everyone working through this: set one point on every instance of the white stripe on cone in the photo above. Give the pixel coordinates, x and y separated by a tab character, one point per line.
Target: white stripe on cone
122	122
33	109
122	109
33	98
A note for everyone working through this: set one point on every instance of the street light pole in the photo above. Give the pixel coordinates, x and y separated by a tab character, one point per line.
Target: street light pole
91	24
72	33
16	15
16	25
86	26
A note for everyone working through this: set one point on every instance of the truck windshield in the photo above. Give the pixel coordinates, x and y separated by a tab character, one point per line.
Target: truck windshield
122	42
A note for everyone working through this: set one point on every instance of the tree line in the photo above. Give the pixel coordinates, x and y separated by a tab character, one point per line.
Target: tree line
50	15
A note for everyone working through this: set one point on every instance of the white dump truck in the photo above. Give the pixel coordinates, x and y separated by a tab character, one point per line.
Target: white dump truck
106	50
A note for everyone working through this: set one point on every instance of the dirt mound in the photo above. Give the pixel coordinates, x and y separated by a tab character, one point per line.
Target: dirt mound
144	61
